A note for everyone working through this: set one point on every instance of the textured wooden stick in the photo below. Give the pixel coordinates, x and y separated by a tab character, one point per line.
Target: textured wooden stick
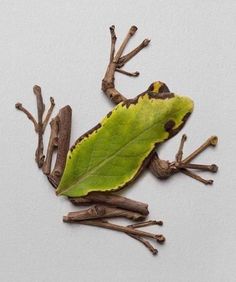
105	224
147	244
112	200
124	59
120	51
197	177
108	86
20	107
113	42
39	125
52	144
133	74
49	113
211	167
146	223
99	211
64	117
39	156
179	155
212	141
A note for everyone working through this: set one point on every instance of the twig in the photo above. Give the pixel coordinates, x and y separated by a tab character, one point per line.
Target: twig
28	114
39	156
105	224
143	241
146	223
52	144
147	244
164	169
212	141
49	113
197	177
211	168
133	74
113	42
99	211
64	121
112	200
179	155
124	59
120	51
108	86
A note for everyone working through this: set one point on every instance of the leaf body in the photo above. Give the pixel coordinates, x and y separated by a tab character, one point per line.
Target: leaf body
112	154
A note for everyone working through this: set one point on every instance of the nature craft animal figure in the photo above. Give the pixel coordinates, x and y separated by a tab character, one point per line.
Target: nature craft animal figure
113	153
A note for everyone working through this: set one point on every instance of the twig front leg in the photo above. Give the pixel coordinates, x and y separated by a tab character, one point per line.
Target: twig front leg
164	169
39	125
39	156
108	85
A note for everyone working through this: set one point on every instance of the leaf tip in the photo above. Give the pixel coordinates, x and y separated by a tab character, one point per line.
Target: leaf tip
58	192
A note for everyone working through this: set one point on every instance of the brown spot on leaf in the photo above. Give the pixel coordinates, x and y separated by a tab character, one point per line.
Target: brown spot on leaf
173	132
109	114
169	125
165	95
72	148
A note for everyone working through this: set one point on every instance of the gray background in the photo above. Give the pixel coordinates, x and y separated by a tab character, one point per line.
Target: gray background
64	47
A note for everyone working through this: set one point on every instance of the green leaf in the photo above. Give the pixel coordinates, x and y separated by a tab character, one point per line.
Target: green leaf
112	154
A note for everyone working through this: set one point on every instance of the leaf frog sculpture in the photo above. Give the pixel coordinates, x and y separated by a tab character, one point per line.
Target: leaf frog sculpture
115	152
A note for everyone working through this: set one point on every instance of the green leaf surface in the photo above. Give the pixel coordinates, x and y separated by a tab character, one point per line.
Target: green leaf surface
111	155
